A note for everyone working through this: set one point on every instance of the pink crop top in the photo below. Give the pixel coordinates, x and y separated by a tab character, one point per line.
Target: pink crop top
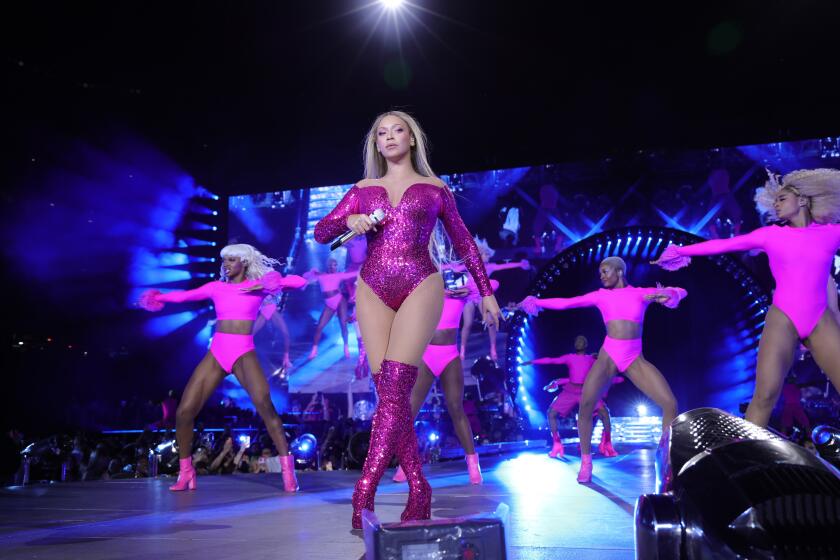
231	303
578	364
618	304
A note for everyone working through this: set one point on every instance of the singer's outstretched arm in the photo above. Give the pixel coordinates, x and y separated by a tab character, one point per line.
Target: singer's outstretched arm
335	223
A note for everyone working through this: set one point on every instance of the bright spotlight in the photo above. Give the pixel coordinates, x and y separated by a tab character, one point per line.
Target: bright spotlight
391	4
433	437
641	410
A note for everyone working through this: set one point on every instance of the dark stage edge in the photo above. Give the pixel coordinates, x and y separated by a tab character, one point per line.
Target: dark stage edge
247	516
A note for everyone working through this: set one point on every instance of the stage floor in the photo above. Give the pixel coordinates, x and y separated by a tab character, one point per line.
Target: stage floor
246	516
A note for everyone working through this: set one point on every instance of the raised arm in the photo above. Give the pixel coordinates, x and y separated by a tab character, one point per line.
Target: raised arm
532	305
153	300
346	275
559	360
674	256
335	223
463	242
493	267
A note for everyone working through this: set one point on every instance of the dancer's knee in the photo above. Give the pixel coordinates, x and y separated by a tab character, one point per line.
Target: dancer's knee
669	406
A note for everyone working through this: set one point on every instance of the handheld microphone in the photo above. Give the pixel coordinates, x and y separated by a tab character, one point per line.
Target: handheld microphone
377	216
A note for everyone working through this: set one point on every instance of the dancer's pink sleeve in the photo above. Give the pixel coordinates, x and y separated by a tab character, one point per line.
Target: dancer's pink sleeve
752	240
463	242
273	282
335	223
587	300
557	361
178	296
347	275
493	267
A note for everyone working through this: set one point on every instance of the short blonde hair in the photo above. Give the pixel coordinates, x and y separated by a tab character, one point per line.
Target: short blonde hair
617	263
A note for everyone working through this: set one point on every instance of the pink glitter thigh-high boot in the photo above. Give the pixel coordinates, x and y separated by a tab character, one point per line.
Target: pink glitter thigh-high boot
390	422
419	505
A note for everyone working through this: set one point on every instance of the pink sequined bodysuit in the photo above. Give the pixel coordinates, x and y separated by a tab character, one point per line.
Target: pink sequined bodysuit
800	260
398	257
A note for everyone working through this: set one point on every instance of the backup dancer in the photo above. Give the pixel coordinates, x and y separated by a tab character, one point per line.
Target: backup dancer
246	279
579	364
801	252
623	309
399	293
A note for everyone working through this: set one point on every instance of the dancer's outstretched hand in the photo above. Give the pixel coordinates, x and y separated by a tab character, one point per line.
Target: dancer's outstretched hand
490	311
529	305
254	288
670	259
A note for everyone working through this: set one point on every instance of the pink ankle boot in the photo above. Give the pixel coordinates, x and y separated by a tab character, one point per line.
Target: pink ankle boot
585	474
474	469
399	476
607	450
605	447
557	447
287	465
186	476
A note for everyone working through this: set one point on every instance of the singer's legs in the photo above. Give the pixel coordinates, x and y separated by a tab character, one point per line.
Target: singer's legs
401	337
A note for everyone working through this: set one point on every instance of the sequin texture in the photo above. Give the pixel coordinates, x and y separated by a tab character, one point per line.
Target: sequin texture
392	432
398	254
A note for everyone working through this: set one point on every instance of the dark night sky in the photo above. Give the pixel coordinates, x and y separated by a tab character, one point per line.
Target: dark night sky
259	95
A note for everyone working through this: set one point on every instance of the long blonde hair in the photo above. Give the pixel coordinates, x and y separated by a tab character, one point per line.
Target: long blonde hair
375	164
820	186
